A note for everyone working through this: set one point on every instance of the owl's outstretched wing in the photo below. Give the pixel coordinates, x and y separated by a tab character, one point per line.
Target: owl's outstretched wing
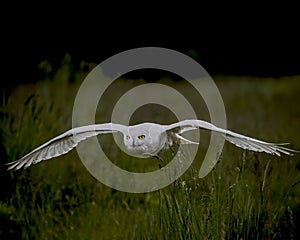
64	143
234	138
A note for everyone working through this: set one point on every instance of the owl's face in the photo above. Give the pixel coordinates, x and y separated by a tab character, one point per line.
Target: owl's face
142	141
136	143
136	140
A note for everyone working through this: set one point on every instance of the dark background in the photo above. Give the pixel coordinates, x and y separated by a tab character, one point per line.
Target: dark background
256	43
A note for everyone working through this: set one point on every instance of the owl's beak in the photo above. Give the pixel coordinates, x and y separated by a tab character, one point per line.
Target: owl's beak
135	143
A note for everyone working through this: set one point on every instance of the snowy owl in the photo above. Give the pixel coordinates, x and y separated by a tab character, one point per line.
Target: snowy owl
143	140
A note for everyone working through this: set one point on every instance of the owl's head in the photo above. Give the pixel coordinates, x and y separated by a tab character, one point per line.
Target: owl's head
144	140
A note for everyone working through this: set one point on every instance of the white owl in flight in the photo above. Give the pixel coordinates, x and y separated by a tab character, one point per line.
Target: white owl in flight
142	140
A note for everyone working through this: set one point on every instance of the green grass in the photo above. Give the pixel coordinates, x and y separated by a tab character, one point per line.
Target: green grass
246	196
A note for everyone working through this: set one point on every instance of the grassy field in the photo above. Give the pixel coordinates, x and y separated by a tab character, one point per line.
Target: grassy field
246	196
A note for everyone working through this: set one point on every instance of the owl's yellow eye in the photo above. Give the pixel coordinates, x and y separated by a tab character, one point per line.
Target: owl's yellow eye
127	137
141	137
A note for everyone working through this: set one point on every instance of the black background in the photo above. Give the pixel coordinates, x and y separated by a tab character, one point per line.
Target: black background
263	43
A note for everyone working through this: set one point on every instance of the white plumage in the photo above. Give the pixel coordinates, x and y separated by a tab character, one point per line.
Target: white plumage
142	140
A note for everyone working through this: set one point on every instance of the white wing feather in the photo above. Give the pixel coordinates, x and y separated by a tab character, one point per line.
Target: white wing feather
64	143
234	138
